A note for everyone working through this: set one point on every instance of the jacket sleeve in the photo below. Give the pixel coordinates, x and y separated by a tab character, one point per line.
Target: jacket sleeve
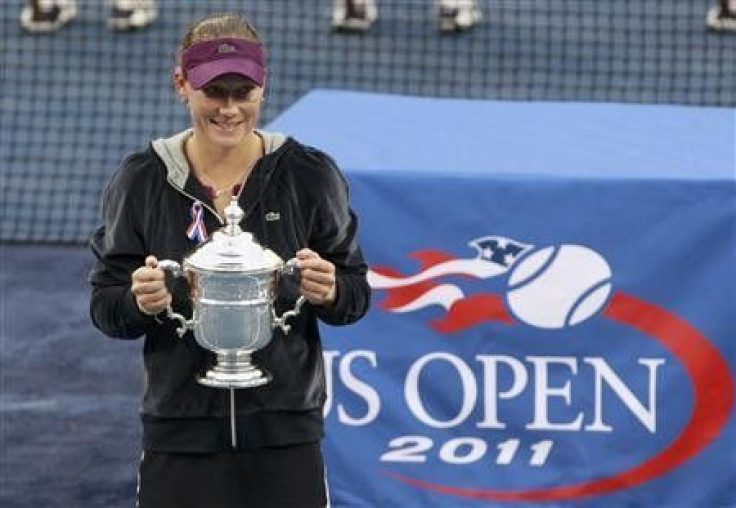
119	249
335	238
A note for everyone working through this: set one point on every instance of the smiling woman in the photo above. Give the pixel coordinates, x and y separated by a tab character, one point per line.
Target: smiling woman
162	203
221	75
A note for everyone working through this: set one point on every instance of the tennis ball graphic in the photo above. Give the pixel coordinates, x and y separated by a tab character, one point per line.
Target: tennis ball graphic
556	287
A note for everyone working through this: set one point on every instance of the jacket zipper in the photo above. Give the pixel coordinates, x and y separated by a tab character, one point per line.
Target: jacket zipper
208	207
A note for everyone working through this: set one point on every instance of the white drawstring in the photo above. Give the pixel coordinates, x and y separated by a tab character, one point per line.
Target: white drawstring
233	433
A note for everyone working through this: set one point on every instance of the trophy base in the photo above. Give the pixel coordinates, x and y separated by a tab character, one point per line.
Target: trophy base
234	371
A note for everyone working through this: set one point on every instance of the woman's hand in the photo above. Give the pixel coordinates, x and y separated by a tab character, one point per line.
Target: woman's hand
149	288
318	278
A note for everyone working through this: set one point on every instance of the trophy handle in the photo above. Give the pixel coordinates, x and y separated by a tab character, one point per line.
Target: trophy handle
175	270
280	322
291	268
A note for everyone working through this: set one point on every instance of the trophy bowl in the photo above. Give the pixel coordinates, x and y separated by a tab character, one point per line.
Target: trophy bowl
233	283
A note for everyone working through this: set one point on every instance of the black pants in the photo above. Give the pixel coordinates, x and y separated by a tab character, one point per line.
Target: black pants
288	476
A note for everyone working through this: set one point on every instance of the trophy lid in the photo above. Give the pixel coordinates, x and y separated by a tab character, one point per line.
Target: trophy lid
233	250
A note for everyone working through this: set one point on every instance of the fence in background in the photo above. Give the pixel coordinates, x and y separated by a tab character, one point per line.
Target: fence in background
75	102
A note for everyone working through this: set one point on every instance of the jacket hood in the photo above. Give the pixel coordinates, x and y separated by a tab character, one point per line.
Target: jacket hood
171	152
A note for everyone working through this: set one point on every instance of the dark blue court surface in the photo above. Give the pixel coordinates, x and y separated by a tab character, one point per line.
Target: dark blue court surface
69	395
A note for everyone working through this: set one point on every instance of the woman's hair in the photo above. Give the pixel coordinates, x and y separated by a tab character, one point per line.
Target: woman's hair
215	26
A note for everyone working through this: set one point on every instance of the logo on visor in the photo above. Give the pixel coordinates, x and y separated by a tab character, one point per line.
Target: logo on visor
225	48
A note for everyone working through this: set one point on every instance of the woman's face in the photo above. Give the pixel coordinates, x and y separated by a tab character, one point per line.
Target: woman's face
225	111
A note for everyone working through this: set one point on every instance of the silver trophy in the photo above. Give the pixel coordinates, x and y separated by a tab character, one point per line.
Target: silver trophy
233	282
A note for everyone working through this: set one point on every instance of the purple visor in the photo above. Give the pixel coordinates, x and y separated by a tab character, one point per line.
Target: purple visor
204	61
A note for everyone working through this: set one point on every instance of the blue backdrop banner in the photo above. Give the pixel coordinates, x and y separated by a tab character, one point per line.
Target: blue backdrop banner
554	309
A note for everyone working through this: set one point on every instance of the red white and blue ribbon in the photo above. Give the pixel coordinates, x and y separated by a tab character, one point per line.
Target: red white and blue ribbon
196	230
